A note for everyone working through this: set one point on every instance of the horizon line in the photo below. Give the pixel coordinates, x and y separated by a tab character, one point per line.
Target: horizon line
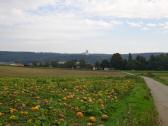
79	52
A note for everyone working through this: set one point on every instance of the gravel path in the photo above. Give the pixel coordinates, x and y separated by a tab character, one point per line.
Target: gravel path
160	94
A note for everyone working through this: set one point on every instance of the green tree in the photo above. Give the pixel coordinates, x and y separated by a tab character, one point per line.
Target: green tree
130	63
130	57
54	63
70	64
117	61
82	63
105	64
140	63
97	64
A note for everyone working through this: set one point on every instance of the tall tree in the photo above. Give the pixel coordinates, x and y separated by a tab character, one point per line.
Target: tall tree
54	63
97	64
70	64
131	63
82	63
117	61
140	63
105	64
130	57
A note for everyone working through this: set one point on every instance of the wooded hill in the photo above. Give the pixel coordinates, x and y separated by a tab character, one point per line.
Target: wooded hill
29	57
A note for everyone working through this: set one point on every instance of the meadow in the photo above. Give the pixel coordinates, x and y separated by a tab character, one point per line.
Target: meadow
73	98
161	76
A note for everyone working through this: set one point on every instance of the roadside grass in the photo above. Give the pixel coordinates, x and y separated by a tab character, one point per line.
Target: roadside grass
55	101
161	76
138	108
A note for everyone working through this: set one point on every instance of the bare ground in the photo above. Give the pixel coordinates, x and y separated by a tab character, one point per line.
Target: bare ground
160	94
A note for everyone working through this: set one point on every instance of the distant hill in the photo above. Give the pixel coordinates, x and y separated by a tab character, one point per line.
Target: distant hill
29	57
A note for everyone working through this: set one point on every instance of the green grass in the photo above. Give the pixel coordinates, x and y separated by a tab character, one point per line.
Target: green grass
161	76
126	100
137	109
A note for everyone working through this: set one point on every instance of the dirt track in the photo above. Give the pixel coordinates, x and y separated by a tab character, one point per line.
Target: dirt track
160	94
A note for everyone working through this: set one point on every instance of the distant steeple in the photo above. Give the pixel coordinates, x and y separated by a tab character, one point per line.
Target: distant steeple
86	52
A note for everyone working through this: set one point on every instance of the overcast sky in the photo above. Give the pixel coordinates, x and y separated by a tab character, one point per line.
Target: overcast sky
72	26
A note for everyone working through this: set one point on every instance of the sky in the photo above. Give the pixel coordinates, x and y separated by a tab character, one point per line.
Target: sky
73	26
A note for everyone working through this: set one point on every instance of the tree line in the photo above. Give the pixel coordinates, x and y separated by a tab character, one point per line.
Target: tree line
159	62
73	64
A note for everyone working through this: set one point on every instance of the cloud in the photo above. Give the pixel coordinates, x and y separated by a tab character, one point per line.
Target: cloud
77	21
135	24
21	11
122	8
149	26
130	8
103	23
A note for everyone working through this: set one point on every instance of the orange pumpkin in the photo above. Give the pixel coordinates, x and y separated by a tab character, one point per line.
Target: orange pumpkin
104	117
92	119
80	114
36	108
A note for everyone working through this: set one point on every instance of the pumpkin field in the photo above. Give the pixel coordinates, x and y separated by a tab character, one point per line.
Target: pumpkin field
76	101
